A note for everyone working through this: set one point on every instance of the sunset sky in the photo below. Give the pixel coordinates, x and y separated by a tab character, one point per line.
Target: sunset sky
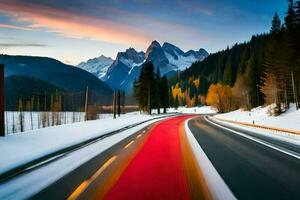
76	30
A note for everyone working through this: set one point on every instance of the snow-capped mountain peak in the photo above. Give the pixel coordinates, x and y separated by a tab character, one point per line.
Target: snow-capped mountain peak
120	74
172	50
97	66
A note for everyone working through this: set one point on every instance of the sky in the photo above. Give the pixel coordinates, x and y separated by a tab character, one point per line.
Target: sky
73	31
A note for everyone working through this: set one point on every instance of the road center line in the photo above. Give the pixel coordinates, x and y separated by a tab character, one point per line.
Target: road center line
139	136
130	143
82	187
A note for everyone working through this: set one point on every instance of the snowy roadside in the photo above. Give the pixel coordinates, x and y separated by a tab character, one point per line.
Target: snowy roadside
19	149
259	116
283	136
48	174
195	110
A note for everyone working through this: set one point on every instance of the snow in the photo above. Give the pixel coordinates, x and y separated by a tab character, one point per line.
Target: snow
48	174
31	145
194	110
288	120
216	185
182	62
12	119
97	66
287	137
133	66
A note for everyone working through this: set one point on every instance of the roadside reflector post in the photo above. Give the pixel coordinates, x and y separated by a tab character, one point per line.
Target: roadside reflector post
86	104
2	125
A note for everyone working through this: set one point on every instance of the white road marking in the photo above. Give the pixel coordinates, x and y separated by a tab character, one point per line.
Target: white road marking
216	185
255	140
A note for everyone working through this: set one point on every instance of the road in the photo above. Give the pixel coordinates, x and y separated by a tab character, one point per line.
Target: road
251	170
157	163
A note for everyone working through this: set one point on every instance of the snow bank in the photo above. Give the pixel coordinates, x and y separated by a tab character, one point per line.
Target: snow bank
260	115
194	110
21	148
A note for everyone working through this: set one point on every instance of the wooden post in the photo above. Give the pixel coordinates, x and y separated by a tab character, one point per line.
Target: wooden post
115	104
86	103
119	103
123	102
295	92
2	125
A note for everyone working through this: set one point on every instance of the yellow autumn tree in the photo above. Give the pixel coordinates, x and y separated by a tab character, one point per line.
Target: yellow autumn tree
197	83
176	91
220	97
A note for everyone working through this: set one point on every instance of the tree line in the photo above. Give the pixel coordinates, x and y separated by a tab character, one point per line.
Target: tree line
151	91
265	70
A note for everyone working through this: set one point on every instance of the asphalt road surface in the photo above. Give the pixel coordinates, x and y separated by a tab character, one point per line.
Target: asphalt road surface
157	163
251	170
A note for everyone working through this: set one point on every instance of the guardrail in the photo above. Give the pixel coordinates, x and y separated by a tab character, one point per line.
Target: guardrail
260	126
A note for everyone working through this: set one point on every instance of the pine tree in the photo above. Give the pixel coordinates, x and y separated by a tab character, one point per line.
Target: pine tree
157	91
164	93
297	13
145	88
228	79
291	16
276	24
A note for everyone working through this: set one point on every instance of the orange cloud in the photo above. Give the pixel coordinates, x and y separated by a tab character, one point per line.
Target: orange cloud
69	24
9	26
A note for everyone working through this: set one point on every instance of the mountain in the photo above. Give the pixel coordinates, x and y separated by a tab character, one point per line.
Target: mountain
168	58
55	74
124	69
97	66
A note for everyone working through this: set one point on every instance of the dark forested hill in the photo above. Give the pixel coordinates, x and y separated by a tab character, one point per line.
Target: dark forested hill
225	66
50	73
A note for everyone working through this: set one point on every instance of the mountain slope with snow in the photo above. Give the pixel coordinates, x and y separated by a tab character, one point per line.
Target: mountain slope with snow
97	66
127	66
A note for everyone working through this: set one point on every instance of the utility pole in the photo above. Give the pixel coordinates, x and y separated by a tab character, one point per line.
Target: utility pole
2	125
114	104
119	103
295	92
123	102
86	103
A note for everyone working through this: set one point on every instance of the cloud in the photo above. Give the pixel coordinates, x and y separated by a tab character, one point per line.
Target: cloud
9	26
70	24
7	45
99	22
196	6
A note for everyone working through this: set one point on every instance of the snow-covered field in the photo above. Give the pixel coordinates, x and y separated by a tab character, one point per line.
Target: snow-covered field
34	120
288	120
194	110
17	149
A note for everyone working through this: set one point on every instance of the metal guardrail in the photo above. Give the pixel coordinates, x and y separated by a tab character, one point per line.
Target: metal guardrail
261	126
41	161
